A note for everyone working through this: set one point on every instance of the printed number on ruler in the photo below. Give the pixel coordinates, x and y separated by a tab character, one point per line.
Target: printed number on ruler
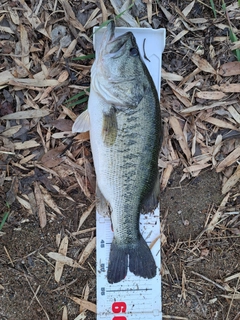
118	307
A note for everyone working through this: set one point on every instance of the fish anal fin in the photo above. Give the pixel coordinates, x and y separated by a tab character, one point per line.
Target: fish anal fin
102	204
82	123
109	127
150	202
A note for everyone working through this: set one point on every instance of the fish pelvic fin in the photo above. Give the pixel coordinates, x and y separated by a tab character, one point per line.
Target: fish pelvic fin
82	123
118	263
141	261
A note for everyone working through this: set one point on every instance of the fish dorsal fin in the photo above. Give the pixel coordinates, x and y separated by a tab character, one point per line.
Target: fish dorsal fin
82	123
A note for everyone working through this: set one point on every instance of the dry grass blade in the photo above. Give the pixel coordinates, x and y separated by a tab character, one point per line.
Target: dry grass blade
209	280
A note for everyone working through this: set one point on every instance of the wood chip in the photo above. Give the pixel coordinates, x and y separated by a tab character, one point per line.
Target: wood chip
87	251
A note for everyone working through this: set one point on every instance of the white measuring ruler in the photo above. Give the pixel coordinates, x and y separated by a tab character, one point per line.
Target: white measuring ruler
134	297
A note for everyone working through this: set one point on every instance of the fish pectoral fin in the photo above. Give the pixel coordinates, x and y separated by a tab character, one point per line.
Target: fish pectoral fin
82	123
109	127
150	203
102	204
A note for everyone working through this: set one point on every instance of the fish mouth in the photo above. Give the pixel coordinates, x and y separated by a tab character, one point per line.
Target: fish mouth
116	45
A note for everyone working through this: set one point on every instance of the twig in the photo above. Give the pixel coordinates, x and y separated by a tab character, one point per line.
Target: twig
8	255
34	297
37	299
207	279
230	306
174	317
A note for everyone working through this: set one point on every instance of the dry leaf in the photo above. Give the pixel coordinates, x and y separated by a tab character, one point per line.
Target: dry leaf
33	19
85	215
166	176
26	114
230	159
230	69
85	304
234	114
180	136
49	201
202	64
87	251
40	205
70	16
65	260
217	215
210	95
180	94
52	158
65	313
171	76
59	265
227	186
220	123
227	87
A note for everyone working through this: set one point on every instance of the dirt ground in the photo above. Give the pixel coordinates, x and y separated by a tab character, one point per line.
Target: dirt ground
47	177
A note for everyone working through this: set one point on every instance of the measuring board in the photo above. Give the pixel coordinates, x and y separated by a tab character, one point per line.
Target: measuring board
134	297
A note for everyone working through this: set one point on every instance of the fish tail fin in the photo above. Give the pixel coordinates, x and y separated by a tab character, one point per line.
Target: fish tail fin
118	263
141	261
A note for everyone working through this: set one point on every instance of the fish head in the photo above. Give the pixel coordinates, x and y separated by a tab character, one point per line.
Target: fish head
120	73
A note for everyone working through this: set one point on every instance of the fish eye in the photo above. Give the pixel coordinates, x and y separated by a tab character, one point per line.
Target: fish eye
134	52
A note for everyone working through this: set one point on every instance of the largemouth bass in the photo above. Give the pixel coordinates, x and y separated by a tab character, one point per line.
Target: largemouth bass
124	120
